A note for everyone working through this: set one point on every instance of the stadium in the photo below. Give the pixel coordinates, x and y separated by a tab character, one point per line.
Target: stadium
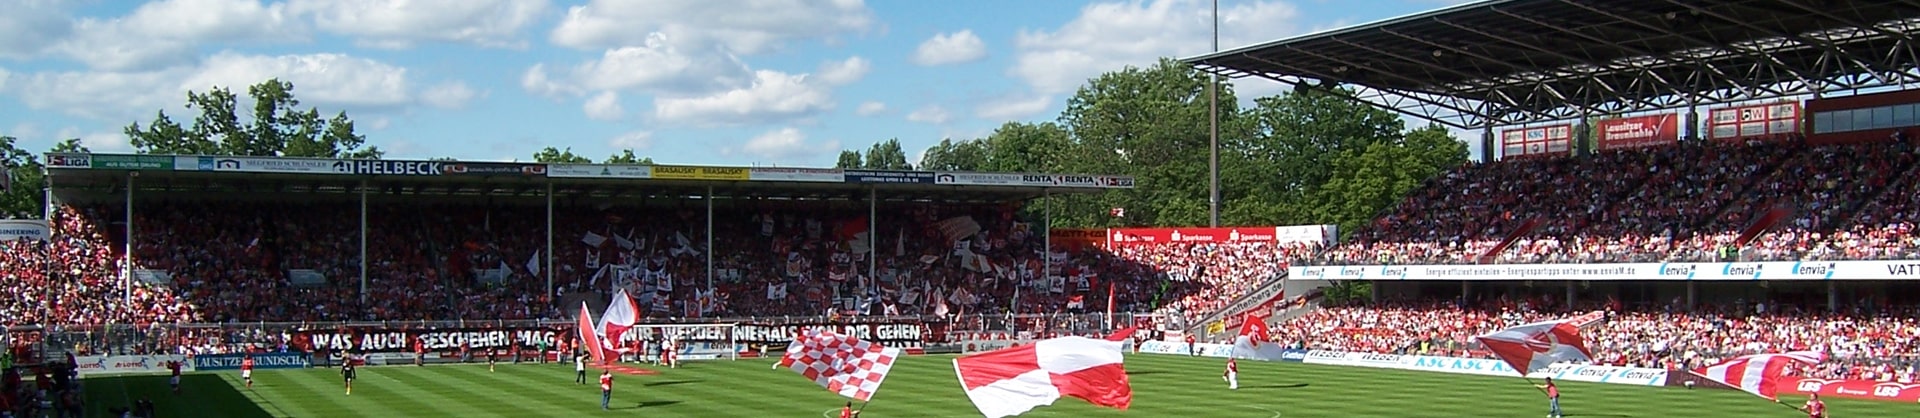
1686	182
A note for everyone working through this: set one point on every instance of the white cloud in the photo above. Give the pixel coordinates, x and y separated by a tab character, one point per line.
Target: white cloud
605	106
933	114
169	32
98	141
745	27
636	140
1062	59
28	27
871	108
328	81
844	72
389	24
787	144
451	95
1014	107
953	48
772	95
656	66
321	78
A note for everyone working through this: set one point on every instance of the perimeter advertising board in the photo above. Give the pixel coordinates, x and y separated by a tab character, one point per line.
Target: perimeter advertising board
1715	271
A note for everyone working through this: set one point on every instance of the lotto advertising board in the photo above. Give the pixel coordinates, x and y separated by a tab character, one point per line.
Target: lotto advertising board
1766	270
1637	131
1856	389
129	364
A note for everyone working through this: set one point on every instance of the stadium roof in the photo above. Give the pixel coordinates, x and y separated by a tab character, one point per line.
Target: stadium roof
228	174
1505	62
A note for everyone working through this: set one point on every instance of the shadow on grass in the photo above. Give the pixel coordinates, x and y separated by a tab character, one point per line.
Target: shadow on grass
673	382
201	395
1143	372
650	404
1278	386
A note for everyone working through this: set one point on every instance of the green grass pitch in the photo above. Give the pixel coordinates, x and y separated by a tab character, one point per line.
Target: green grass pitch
1164	386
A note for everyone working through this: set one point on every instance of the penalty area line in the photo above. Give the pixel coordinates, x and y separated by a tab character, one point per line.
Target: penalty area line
1276	414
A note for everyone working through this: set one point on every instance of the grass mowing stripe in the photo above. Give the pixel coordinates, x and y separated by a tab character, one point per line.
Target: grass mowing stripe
924	386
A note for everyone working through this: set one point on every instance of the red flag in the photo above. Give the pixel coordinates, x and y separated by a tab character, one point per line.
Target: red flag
1757	374
1532	347
1122	334
1253	341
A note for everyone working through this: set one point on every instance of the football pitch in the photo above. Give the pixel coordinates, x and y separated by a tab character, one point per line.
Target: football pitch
1164	386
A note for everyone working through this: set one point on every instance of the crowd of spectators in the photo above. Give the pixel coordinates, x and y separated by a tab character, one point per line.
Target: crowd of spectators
1863	343
1208	276
1683	202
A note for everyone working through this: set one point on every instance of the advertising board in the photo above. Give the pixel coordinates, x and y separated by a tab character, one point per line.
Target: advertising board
1713	271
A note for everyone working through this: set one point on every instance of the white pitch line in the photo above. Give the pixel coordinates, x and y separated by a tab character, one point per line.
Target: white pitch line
1276	414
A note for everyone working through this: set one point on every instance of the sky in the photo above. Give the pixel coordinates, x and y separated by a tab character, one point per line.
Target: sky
736	82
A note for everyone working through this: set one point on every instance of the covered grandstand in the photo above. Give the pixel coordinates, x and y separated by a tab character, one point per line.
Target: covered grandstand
1783	219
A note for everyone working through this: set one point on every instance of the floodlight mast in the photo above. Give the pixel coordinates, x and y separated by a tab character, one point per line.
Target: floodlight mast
1213	125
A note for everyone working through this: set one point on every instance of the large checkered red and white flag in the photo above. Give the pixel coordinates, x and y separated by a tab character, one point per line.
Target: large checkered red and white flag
842	364
1757	373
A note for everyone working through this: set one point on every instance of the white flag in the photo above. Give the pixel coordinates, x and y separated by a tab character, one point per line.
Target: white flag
533	264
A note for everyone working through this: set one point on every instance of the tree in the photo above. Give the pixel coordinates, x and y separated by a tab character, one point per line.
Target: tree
1150	123
626	157
850	159
968	155
554	155
1018	147
278	128
23	197
71	145
1368	181
887	155
447	159
1285	147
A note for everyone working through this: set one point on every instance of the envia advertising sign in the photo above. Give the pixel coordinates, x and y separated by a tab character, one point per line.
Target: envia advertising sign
1717	271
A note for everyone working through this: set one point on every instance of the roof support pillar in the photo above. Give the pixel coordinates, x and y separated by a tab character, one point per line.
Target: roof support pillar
126	272
709	241
553	298
1486	144
363	243
873	230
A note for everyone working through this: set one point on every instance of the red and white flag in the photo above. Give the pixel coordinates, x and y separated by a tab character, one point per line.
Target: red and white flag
620	316
1014	380
1756	374
1254	343
1532	347
588	336
843	364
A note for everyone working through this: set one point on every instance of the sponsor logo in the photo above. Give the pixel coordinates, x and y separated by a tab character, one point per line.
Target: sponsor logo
392	168
1903	269
1293	355
1811	386
1383	358
1743	269
1325	355
1886	391
70	160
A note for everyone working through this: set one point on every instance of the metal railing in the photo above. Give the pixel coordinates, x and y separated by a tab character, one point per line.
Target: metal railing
203	338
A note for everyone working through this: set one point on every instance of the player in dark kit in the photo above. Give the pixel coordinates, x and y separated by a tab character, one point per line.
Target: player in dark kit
174	381
346	373
491	353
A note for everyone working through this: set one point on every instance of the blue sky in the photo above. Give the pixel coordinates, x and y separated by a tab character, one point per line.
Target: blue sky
783	82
